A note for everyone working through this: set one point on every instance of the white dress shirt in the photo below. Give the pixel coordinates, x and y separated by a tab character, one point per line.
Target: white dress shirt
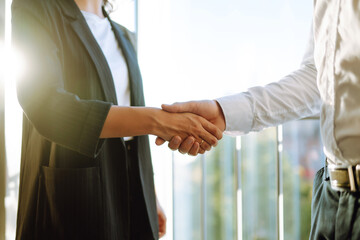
327	83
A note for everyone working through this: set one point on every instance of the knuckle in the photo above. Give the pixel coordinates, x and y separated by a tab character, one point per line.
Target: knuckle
213	141
172	147
220	136
198	131
183	150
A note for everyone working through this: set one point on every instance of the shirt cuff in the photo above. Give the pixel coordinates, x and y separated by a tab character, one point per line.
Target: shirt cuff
238	113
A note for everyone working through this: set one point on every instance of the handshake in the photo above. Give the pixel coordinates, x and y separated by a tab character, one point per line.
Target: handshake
191	127
194	129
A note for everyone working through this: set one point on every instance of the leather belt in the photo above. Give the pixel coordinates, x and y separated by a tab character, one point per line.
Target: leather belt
344	178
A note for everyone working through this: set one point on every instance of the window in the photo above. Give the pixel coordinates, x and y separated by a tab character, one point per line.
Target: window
301	157
256	186
250	187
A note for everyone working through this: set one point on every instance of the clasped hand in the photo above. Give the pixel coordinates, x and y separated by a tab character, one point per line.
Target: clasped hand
201	139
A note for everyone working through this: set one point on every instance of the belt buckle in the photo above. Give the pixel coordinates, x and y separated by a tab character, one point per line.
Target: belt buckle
345	178
339	178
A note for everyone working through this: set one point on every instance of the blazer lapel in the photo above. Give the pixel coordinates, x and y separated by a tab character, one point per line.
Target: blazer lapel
82	30
136	87
80	27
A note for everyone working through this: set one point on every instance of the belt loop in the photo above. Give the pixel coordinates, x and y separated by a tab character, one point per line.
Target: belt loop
357	176
351	178
326	175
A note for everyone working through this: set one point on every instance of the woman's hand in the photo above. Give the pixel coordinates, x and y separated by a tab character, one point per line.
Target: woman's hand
186	125
161	219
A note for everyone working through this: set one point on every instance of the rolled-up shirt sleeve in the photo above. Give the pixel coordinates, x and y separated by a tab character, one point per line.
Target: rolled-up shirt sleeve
293	97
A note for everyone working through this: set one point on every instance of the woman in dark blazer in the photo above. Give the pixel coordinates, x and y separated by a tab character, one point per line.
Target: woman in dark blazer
79	179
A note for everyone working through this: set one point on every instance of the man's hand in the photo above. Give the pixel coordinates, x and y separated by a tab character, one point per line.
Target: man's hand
209	109
161	219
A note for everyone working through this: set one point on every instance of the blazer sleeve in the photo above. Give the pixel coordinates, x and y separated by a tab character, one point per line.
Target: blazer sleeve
59	116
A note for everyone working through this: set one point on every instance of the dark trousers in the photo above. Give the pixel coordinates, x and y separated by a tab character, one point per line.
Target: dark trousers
334	214
138	218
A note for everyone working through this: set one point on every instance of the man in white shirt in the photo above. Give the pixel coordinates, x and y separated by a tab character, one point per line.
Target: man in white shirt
327	83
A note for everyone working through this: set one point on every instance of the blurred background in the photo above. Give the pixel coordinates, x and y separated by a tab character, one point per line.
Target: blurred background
256	186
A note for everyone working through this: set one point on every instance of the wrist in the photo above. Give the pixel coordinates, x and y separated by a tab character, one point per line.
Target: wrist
154	121
141	121
221	116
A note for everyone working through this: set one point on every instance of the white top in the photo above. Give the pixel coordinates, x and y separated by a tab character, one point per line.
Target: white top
327	83
105	37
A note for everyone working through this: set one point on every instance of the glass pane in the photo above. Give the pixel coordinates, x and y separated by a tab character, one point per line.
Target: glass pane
259	185
187	197
302	156
206	49
221	191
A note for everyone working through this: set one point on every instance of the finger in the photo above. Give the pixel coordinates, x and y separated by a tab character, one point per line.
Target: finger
162	230
208	138
194	149
162	225
205	146
178	107
161	234
211	135
159	141
201	151
186	145
174	143
211	128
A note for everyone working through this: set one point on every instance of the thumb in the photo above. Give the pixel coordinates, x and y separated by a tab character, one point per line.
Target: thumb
159	141
177	107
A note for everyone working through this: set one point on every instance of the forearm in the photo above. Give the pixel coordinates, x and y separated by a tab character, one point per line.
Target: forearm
135	121
295	96
129	121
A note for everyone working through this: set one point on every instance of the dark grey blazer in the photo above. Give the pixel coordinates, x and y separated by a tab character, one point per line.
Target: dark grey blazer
73	185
